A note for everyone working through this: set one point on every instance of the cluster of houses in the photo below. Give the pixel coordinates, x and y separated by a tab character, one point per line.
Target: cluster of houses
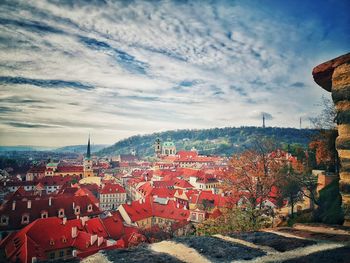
69	209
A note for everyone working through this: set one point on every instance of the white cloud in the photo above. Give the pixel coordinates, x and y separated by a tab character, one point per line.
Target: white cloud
232	59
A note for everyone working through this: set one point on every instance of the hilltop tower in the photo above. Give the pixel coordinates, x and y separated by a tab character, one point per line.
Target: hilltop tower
263	121
88	172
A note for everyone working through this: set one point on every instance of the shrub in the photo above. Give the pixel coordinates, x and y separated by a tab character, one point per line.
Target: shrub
329	209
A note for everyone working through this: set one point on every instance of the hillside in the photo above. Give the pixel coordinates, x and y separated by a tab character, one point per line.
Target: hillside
216	141
80	148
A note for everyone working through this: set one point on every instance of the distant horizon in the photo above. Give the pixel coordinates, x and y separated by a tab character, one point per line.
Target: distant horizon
109	144
120	68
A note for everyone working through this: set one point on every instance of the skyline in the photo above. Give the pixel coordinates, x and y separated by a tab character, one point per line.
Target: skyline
117	69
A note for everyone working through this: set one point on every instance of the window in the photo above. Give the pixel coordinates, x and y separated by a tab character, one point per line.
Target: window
89	208
193	216
61	253
25	219
44	214
52	255
77	210
61	212
4	220
69	252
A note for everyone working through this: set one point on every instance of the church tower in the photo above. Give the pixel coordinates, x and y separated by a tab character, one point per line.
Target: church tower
158	147
88	172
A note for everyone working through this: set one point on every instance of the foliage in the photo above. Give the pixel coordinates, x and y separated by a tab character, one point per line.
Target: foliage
307	217
232	220
325	150
255	172
216	141
329	209
289	186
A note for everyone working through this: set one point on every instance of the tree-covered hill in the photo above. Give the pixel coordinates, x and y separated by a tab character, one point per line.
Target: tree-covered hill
216	141
80	148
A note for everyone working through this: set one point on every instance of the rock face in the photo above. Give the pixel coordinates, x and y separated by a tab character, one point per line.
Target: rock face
303	243
334	76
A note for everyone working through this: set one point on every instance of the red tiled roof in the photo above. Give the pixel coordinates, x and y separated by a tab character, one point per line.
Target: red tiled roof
112	189
38	205
142	210
70	169
44	235
187	154
114	226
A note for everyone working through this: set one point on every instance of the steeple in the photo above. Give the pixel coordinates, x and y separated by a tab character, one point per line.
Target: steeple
88	153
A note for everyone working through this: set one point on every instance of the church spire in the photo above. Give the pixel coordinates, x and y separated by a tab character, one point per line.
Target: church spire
88	153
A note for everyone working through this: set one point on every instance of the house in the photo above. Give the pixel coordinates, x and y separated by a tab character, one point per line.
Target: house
111	196
204	181
19	211
146	213
53	239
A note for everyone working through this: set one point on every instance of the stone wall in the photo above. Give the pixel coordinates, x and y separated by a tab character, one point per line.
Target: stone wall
334	76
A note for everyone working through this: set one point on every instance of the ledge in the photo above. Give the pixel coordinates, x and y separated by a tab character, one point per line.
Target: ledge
323	73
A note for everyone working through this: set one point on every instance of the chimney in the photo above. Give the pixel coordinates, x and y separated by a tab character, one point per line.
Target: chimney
73	205
50	201
29	204
74	232
185	207
140	200
99	241
13	205
93	238
64	220
177	205
83	220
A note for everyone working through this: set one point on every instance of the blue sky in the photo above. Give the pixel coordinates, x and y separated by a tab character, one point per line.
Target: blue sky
120	68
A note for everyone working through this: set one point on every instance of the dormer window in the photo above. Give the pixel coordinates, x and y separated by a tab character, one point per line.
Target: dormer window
52	242
89	208
25	219
77	210
4	220
44	214
64	239
61	213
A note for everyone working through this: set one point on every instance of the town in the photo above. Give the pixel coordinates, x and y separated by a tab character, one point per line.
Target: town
174	131
68	208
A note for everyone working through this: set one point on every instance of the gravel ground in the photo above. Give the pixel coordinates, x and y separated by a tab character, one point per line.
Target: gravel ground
275	241
218	250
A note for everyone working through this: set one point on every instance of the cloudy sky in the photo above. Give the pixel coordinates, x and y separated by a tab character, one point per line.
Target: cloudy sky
120	68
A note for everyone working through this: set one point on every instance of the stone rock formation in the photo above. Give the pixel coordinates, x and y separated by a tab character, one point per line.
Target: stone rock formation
334	76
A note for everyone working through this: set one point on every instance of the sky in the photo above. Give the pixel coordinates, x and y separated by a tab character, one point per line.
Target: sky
120	68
